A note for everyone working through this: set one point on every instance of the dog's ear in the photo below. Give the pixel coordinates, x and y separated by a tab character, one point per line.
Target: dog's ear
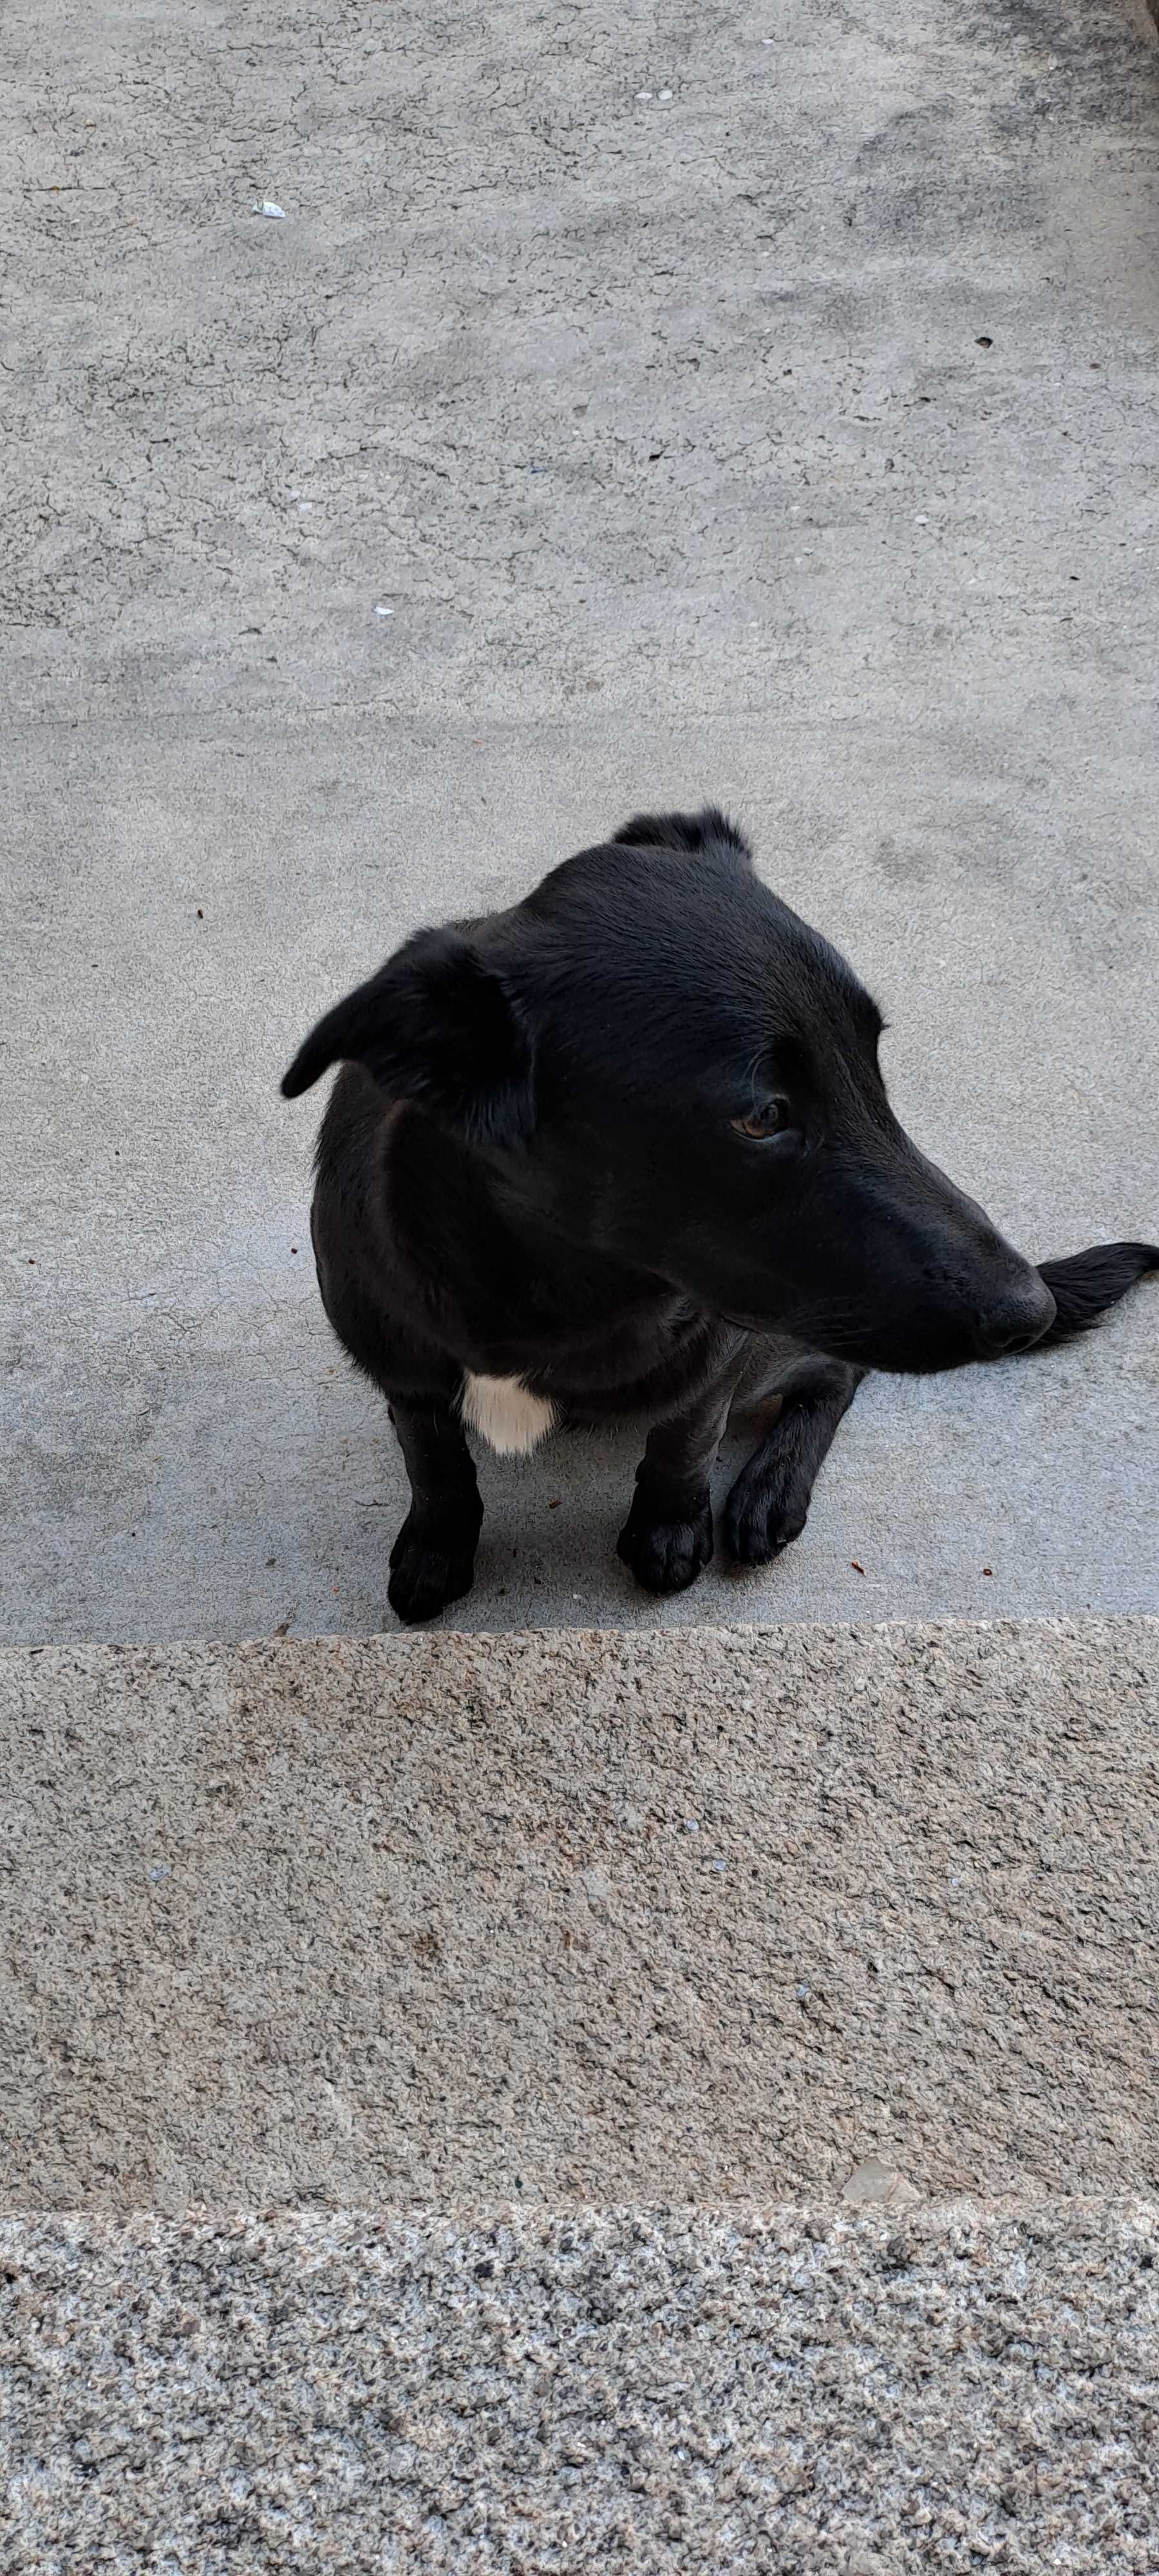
708	834
437	1025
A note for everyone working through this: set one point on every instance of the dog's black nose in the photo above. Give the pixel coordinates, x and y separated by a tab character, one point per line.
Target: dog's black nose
1017	1319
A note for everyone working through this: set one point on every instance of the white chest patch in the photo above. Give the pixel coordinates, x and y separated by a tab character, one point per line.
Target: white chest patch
506	1413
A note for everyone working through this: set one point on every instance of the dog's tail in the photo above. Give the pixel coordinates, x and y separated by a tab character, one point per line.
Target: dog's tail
1084	1285
710	830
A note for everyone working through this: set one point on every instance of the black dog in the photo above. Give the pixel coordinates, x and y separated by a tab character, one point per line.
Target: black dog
625	1150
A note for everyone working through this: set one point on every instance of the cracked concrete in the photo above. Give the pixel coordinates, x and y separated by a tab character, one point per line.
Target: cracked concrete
752	404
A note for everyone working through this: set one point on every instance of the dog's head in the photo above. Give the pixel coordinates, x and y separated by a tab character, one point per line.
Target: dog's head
666	1063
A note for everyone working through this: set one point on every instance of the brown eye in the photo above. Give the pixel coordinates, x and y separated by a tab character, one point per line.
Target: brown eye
763	1122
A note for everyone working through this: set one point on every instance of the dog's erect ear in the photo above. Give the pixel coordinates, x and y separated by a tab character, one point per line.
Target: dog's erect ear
708	834
436	1025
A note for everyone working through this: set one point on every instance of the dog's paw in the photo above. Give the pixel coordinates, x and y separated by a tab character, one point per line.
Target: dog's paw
666	1555
424	1577
761	1518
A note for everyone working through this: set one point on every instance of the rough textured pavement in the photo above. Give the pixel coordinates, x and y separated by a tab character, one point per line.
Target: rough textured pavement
627	406
447	1922
645	2390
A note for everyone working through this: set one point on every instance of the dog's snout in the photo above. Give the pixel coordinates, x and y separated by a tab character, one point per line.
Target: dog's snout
1017	1319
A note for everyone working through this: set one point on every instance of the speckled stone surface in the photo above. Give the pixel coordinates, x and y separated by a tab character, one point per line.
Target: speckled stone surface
642	2390
695	1916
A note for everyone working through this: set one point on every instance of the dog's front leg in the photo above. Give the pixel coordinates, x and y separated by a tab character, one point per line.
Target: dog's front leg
769	1503
432	1561
667	1537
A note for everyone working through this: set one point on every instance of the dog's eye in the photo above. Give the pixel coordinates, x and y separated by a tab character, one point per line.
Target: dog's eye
767	1121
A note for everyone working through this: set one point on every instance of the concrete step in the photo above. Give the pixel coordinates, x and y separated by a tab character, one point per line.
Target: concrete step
639	2389
698	1916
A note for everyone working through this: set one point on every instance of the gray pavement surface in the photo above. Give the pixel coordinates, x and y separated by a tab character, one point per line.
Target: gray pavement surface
796	2392
701	1916
628	406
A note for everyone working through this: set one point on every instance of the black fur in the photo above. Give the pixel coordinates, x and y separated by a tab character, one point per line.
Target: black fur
531	1167
1088	1282
708	832
433	1026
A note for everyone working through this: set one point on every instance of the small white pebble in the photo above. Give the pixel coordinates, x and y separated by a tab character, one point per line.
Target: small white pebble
384	612
643	93
267	207
663	93
690	1827
718	1864
748	1703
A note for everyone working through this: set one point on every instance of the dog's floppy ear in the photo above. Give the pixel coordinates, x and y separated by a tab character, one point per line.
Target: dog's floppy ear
708	834
436	1025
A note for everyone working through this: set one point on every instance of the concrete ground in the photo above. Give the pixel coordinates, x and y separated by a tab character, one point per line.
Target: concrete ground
628	406
450	1923
625	406
705	2084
